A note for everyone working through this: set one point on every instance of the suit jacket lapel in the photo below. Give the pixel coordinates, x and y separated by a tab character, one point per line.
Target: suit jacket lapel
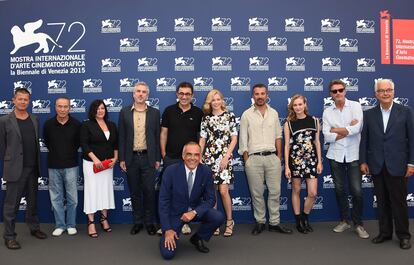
147	118
13	120
378	115
130	118
35	125
182	175
197	179
393	116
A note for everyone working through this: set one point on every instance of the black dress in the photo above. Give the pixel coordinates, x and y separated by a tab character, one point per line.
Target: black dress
302	152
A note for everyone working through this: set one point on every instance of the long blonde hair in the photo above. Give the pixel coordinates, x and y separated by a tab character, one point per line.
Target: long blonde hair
209	98
291	112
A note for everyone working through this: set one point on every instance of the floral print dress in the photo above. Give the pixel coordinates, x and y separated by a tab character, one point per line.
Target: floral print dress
302	152
218	130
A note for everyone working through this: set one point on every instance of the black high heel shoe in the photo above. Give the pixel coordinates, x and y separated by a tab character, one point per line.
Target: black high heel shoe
102	220
93	235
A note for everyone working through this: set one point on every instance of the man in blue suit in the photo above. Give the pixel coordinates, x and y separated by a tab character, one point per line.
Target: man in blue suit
187	194
387	152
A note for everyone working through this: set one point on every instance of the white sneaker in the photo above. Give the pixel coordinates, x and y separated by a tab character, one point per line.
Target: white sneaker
342	226
72	231
58	232
362	233
159	232
186	230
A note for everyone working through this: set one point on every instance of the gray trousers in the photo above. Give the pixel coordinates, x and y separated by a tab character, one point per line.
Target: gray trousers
264	171
25	186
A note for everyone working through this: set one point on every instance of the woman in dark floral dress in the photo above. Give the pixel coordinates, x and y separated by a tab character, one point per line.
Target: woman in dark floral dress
302	158
218	137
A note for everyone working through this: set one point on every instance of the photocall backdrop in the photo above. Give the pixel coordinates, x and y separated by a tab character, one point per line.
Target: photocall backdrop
100	49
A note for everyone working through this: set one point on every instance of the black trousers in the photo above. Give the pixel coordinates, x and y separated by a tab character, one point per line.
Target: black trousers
141	182
26	187
391	193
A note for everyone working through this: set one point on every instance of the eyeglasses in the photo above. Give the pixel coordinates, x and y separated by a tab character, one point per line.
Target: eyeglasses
338	90
181	94
382	91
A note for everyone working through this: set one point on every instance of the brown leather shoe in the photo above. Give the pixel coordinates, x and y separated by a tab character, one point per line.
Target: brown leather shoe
12	244
38	234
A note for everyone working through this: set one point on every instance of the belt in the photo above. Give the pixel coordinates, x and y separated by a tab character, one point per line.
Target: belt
264	153
140	152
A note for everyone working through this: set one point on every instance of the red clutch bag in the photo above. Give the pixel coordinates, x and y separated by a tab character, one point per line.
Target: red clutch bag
105	165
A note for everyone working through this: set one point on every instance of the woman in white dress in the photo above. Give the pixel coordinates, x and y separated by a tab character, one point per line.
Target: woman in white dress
99	142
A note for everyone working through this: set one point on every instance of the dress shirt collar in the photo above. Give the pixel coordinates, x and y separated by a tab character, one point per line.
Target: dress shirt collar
346	104
133	107
187	170
388	110
256	109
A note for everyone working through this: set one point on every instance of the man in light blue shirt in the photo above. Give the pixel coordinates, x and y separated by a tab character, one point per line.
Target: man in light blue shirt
342	125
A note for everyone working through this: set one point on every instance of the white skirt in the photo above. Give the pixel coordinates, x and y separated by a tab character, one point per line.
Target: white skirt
98	189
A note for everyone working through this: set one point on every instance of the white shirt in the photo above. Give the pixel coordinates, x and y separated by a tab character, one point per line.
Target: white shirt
347	148
385	116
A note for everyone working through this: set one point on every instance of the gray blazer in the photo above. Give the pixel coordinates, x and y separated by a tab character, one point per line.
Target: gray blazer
395	147
11	147
126	135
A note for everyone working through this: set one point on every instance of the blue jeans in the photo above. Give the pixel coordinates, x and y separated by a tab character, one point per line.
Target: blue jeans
339	173
62	185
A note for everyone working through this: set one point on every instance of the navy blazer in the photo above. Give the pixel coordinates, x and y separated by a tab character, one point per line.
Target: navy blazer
395	147
174	199
11	148
126	135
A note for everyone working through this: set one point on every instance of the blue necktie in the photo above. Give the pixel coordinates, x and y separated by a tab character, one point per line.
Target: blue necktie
190	181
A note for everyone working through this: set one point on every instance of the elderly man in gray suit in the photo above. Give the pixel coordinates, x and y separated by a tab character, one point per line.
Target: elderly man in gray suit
140	155
19	149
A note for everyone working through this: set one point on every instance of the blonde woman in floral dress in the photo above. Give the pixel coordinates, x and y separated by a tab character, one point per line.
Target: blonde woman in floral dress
302	158
218	137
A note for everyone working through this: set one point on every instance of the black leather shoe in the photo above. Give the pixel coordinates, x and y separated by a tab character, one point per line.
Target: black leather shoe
12	244
307	226
300	227
280	229
380	238
151	230
136	228
38	234
199	244
405	243
258	228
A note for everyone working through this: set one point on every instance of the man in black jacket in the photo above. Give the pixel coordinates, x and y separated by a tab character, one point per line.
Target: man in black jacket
139	155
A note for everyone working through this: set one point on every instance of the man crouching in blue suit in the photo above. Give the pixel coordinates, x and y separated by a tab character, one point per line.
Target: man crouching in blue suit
187	194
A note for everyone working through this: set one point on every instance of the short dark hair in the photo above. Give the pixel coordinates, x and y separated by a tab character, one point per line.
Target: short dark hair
185	84
336	82
258	85
22	90
93	108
